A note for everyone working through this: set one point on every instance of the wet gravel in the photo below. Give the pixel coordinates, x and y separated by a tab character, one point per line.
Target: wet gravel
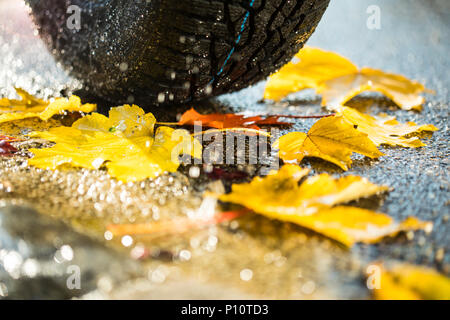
251	257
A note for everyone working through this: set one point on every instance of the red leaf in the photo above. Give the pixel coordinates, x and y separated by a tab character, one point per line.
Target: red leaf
178	225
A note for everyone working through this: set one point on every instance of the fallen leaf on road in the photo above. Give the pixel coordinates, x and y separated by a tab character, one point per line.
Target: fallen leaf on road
385	130
350	225
124	143
338	80
404	92
31	107
27	103
6	148
228	120
409	282
332	139
312	205
178	225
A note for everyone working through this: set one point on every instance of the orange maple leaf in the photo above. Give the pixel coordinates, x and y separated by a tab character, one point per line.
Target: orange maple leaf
228	120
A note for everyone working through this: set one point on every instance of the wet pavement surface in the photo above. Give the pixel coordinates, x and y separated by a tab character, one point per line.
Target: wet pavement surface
251	257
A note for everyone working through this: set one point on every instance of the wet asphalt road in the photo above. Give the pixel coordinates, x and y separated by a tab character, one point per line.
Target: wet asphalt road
413	40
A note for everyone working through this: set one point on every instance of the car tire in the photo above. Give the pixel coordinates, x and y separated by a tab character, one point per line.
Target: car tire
173	51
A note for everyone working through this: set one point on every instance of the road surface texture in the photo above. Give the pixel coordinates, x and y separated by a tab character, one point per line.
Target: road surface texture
52	224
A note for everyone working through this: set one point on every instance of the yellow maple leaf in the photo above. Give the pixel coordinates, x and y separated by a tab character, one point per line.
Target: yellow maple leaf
409	282
385	131
339	80
309	68
123	142
31	107
278	191
312	205
332	139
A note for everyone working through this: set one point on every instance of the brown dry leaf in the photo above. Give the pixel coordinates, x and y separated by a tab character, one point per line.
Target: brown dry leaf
409	282
31	107
339	80
312	205
332	139
385	130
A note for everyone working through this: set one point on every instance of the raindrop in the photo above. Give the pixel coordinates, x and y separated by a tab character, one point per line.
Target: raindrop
309	287
246	274
3	290
185	255
127	241
123	66
158	276
66	252
161	97
31	268
194	172
108	235
105	284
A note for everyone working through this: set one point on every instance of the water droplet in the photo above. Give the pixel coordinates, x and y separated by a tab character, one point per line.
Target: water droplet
246	274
